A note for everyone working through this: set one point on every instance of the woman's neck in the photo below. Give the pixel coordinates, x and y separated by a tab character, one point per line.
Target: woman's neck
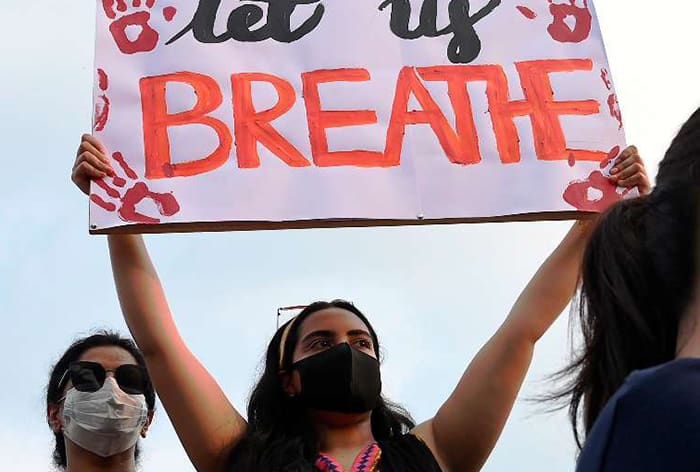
338	432
80	460
688	344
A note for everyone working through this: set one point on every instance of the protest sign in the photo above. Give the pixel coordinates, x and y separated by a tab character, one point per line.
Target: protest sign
247	114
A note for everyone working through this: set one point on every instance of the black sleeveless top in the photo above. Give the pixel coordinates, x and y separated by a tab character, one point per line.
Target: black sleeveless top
406	453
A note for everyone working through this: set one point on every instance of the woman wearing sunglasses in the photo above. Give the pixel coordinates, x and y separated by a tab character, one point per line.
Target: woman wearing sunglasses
99	401
318	404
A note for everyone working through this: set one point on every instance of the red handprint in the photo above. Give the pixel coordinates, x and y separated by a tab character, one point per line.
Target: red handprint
605	77
614	107
165	202
597	192
613	104
560	30
102	105
147	40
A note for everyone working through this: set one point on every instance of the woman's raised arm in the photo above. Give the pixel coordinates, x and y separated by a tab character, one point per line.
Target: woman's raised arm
207	424
467	426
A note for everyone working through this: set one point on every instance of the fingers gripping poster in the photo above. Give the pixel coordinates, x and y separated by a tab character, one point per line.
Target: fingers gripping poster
273	113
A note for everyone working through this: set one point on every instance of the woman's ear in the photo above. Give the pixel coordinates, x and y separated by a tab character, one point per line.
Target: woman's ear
53	417
149	420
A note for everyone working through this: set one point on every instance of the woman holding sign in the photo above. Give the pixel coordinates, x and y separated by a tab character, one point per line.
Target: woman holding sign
318	404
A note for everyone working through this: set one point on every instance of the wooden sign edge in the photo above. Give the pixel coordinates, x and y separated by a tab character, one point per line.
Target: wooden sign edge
220	226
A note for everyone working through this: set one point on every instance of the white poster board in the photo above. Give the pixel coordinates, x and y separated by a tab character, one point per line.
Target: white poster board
263	114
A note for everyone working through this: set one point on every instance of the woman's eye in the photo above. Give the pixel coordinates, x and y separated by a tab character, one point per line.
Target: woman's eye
364	343
321	343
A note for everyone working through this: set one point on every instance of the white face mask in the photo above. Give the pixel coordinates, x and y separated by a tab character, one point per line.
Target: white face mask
105	422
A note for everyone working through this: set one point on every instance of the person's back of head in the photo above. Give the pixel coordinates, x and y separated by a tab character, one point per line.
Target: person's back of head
638	278
681	163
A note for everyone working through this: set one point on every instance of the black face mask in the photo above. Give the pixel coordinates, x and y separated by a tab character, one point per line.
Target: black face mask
340	379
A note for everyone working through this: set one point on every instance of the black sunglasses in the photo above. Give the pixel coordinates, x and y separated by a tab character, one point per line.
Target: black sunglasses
89	376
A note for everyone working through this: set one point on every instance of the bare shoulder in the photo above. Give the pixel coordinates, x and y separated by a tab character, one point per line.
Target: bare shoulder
424	433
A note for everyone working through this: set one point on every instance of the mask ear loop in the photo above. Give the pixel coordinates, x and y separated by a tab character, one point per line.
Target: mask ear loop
63	377
60	384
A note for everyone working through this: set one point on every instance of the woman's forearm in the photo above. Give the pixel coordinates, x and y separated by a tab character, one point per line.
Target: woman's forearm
551	288
205	421
141	295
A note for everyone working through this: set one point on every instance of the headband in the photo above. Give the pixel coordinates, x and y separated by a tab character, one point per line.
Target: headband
283	341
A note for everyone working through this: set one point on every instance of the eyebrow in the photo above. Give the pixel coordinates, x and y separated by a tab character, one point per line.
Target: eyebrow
359	332
328	334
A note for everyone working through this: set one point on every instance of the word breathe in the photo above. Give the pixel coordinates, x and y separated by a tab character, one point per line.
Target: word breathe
253	127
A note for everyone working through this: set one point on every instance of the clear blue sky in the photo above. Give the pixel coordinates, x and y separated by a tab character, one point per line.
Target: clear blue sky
435	293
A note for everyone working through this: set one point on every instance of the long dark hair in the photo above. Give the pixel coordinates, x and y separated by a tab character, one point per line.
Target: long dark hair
54	390
637	281
280	437
681	163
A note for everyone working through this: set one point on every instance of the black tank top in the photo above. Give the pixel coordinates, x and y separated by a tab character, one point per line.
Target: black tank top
406	453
